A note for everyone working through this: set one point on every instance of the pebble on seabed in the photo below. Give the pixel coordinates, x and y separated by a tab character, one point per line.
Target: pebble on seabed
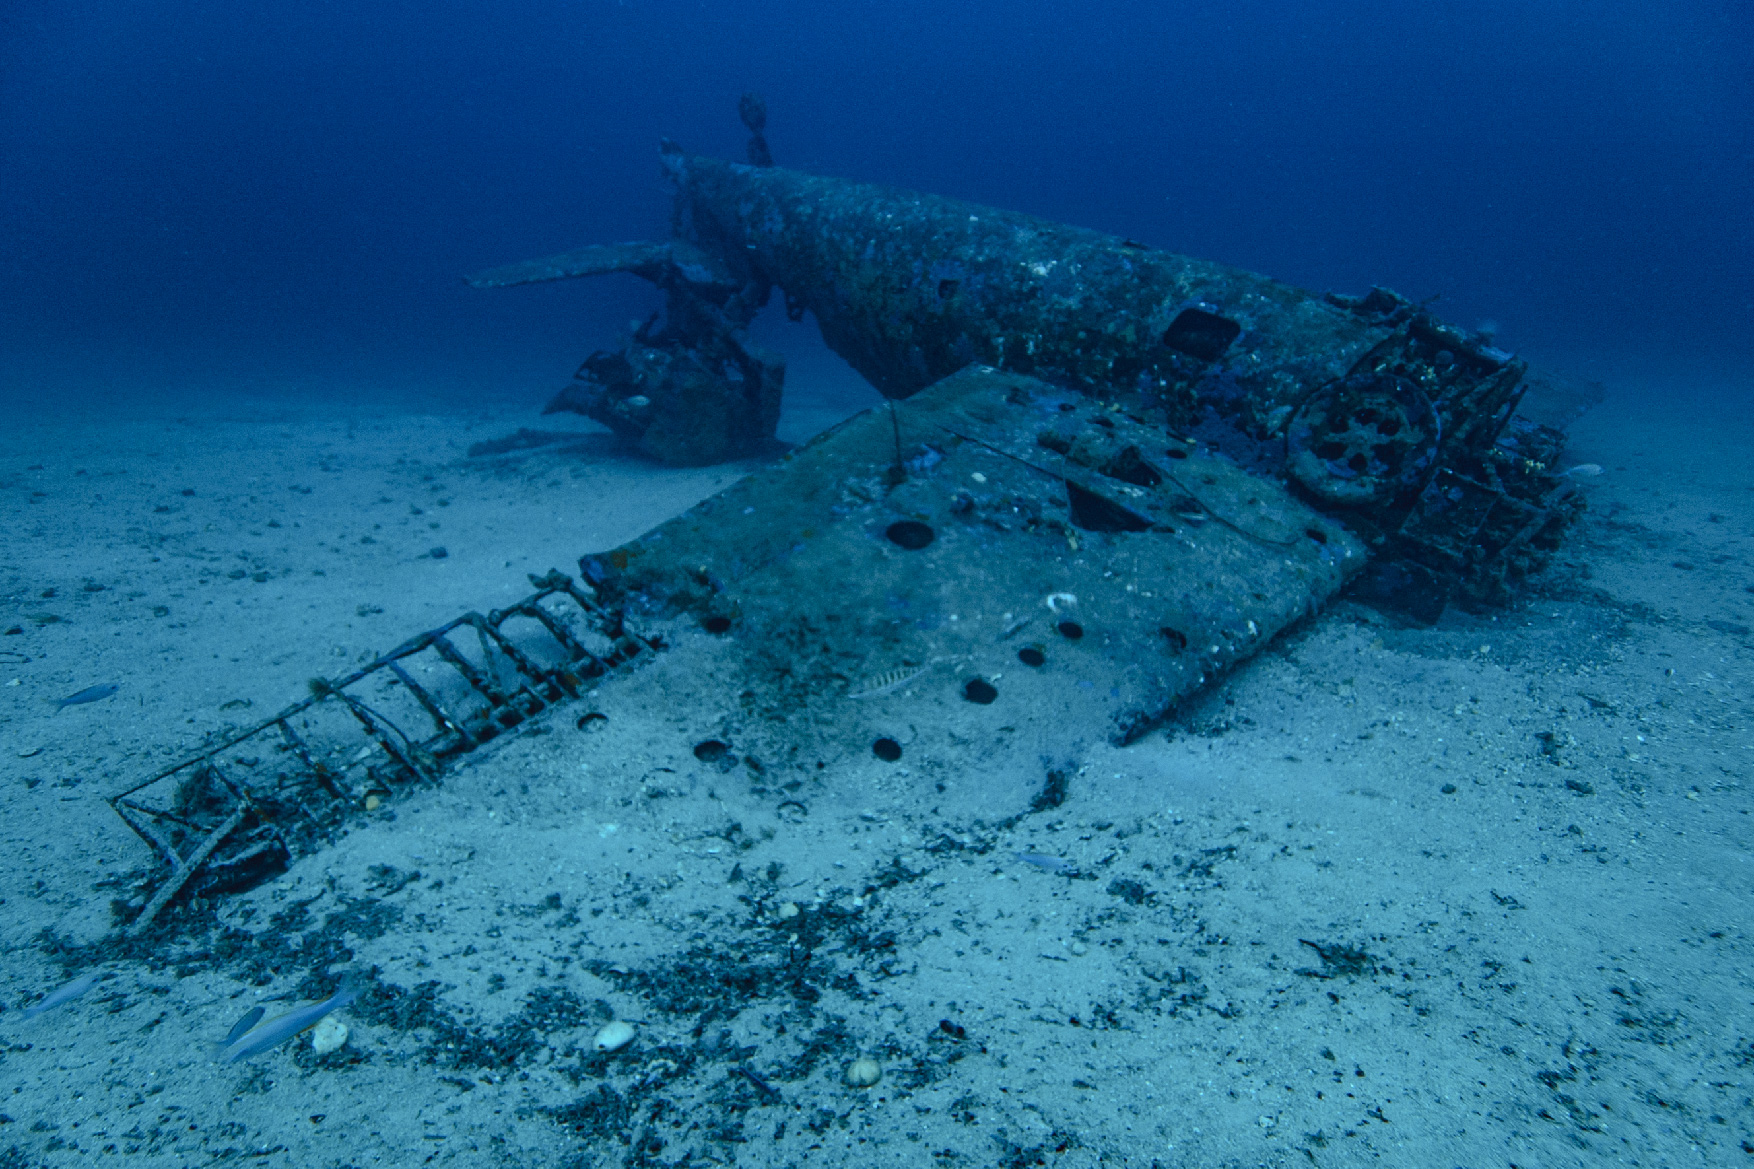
863	1072
330	1034
613	1036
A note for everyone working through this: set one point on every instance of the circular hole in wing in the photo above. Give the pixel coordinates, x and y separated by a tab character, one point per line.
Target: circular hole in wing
1030	656
887	750
1316	534
716	624
1070	630
592	721
910	534
979	690
711	750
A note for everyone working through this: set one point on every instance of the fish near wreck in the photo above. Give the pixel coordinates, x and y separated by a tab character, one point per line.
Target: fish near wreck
65	993
251	1037
1435	448
89	694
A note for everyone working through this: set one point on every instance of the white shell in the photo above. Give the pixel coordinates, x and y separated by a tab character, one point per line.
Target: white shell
864	1072
613	1036
330	1034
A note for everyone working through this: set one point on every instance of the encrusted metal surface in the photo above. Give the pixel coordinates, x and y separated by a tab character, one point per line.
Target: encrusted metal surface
990	514
1377	413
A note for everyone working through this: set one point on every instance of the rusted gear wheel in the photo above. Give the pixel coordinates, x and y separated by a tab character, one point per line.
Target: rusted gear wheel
1362	441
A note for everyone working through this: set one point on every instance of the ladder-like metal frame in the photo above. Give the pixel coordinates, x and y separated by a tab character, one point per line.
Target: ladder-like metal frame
253	831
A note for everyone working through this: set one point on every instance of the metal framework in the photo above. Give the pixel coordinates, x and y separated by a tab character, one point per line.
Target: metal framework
238	811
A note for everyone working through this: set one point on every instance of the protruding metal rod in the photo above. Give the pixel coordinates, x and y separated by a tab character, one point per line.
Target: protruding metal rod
324	773
440	716
184	871
478	680
151	835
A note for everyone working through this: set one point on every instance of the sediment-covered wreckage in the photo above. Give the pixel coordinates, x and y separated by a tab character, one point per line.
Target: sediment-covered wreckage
1433	448
1104	474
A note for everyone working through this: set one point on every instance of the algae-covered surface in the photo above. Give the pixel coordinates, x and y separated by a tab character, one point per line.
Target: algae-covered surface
1473	894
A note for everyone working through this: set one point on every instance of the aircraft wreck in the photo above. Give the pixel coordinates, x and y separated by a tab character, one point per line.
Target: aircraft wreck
1104	475
1421	439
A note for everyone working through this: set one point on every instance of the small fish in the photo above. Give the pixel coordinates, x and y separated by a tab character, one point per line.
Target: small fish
249	1020
89	694
887	681
283	1027
1049	864
1582	471
64	993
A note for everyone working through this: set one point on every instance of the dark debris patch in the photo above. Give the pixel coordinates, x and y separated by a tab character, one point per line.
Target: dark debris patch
451	1041
892	874
710	983
914	1070
547	1010
1015	1156
662	1063
1202	867
946	844
1128	890
1578	1114
1054	790
600	1114
1340	961
189	938
717	1088
386	880
549	904
1175	991
293	942
629	1102
701	1091
827	1043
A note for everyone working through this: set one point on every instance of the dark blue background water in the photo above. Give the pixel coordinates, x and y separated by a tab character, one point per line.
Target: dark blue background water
285	193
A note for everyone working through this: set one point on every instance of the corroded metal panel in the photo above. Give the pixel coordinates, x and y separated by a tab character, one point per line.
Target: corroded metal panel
925	546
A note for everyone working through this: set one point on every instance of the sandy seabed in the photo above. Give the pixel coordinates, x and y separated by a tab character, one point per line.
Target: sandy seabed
1470	895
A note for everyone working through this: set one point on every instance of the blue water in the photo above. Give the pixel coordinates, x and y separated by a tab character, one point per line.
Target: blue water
285	194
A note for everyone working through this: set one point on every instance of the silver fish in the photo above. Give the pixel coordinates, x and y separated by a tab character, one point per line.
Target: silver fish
249	1020
89	694
64	993
283	1027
